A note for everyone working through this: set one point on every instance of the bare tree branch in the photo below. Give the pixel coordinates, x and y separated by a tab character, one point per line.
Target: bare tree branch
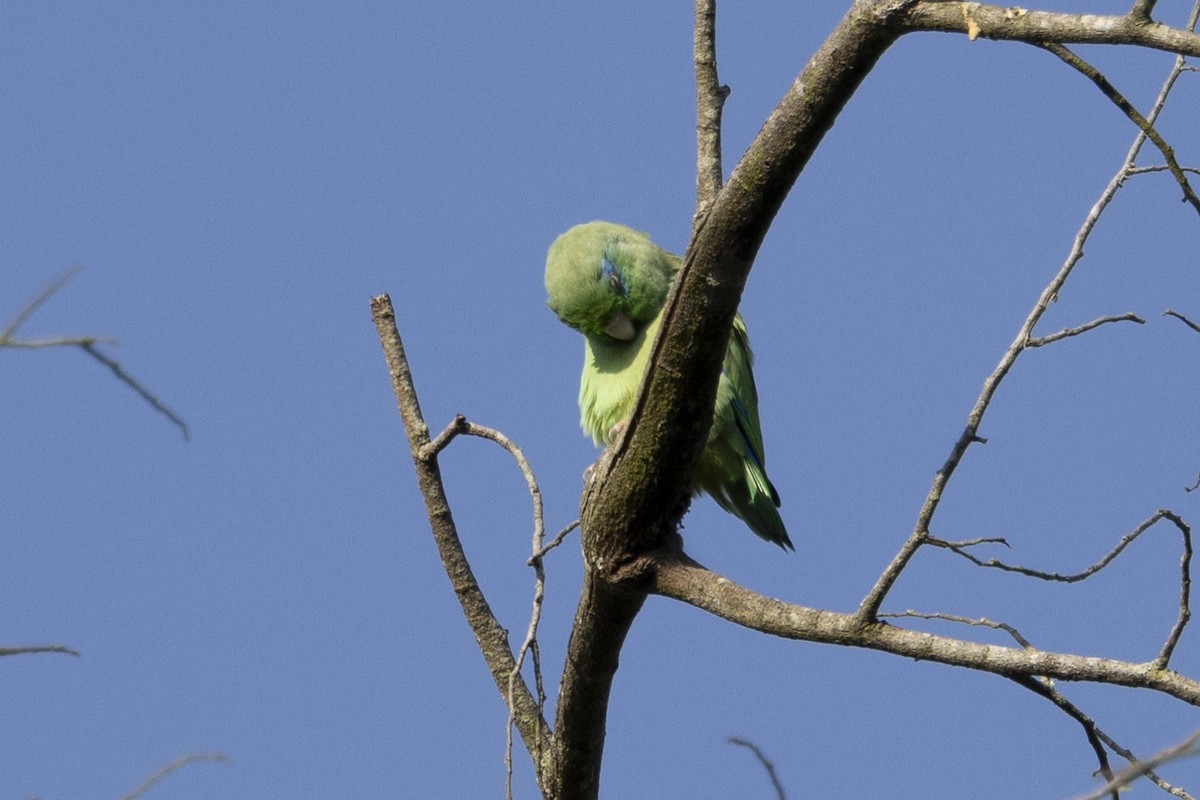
1185	578
710	100
85	343
979	622
555	542
679	577
38	648
639	490
57	341
134	384
1027	25
24	313
767	764
1142	9
1188	747
1172	313
1127	108
182	761
489	633
871	603
1038	341
1096	737
461	425
1161	168
1045	688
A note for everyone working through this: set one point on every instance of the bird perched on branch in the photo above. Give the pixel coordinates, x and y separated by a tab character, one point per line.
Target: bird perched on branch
610	282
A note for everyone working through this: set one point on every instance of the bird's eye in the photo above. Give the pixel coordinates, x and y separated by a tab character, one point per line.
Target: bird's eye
615	281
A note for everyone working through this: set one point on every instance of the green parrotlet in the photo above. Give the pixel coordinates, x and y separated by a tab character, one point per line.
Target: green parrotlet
610	282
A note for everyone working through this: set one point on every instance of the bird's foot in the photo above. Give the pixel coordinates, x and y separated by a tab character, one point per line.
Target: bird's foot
615	431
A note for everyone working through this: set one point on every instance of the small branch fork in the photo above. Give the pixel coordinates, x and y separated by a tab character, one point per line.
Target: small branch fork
1044	687
529	645
628	542
525	710
1185	578
87	344
1188	747
1024	340
1118	99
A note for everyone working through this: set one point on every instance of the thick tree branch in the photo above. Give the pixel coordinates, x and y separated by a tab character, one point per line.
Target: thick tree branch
603	617
1024	25
679	577
635	506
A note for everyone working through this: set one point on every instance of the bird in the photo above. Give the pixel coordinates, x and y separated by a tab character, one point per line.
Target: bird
610	283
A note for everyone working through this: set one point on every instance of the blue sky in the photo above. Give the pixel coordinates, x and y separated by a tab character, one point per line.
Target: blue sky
236	182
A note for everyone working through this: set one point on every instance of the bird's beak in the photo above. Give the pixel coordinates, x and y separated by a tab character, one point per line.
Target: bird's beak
620	327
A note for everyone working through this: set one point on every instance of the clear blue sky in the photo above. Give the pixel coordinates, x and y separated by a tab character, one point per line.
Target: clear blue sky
236	181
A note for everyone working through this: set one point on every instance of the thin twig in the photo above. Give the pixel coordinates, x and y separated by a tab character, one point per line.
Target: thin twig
555	542
490	635
1185	588
460	425
871	603
529	644
57	341
1172	313
1074	577
169	768
1161	168
1038	341
85	343
1185	579
38	648
1188	747
710	101
133	383
1118	99
982	622
1044	687
768	765
44	295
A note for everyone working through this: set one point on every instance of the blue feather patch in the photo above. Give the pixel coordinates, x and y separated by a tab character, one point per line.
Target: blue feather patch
613	275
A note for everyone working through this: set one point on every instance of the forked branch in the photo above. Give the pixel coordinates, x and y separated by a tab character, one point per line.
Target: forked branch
679	577
490	635
1024	340
85	343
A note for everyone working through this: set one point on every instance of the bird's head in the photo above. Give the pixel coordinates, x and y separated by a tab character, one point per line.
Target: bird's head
607	280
